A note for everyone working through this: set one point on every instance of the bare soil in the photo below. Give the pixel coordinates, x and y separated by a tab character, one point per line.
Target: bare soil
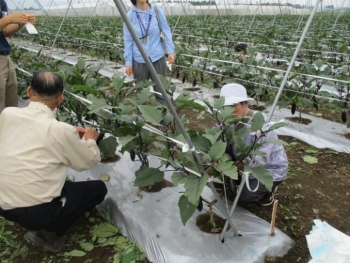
113	159
203	223
305	121
157	186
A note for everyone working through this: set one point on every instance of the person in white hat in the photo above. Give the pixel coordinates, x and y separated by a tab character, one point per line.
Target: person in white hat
274	157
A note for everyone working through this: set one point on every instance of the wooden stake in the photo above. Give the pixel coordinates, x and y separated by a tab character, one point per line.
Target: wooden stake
273	218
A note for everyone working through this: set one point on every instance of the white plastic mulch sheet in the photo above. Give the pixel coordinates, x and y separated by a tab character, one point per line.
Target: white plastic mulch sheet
320	133
327	244
153	221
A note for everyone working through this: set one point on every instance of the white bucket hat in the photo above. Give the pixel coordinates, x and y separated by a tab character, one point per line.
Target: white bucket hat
234	93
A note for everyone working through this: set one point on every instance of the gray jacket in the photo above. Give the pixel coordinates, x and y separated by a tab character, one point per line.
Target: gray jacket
274	159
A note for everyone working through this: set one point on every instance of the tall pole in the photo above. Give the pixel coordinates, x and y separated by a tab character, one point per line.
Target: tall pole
171	108
42	8
291	64
76	13
251	24
93	12
336	20
58	31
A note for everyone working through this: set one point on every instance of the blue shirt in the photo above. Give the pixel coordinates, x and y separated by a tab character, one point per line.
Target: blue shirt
4	45
153	46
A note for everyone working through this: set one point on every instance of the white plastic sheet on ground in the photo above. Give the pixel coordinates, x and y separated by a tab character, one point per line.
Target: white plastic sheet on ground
327	244
153	221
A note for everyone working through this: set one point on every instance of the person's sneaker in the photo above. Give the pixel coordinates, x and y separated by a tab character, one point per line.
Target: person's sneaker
48	240
268	199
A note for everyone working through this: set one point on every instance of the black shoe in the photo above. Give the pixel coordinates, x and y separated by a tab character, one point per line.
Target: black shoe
269	198
48	240
266	201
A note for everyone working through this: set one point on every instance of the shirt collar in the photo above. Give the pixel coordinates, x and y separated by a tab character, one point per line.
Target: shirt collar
42	107
246	112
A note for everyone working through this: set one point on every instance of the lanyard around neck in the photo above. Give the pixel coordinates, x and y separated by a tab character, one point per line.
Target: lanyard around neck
143	26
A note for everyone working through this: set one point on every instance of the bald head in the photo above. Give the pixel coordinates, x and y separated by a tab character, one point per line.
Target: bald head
46	84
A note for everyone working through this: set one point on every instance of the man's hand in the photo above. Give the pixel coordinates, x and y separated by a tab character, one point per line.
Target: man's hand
31	18
81	131
17	18
171	58
91	133
128	70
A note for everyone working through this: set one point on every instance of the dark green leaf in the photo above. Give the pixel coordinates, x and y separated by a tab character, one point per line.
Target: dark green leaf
194	187
151	114
178	178
108	146
86	89
219	103
187	209
258	121
277	125
217	150
276	141
201	143
75	253
105	230
148	176
80	65
228	168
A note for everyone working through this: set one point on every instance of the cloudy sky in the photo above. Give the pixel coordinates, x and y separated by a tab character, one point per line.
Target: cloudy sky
13	4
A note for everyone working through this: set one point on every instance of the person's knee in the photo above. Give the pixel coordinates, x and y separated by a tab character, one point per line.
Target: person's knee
101	188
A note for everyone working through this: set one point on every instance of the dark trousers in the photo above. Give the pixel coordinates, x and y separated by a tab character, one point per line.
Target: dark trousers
80	198
141	73
261	192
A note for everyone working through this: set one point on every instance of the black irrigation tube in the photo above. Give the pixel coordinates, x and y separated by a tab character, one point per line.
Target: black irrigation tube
266	68
267	86
259	45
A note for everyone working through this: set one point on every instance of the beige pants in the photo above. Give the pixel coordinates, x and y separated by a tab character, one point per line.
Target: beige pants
8	83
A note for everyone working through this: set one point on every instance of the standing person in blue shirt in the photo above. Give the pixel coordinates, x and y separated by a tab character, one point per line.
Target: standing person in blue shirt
9	25
143	17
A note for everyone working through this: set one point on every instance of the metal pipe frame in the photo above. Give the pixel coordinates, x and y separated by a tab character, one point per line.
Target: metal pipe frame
58	31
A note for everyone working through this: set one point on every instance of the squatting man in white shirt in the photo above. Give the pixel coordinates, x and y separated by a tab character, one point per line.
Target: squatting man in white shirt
35	153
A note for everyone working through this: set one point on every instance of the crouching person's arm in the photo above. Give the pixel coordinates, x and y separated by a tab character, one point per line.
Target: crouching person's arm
81	154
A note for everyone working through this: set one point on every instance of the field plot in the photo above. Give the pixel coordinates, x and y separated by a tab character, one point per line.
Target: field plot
87	51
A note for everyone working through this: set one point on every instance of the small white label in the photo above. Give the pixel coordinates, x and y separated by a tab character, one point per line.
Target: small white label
31	29
185	148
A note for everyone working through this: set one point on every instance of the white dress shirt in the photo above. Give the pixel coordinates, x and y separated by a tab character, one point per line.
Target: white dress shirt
35	153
